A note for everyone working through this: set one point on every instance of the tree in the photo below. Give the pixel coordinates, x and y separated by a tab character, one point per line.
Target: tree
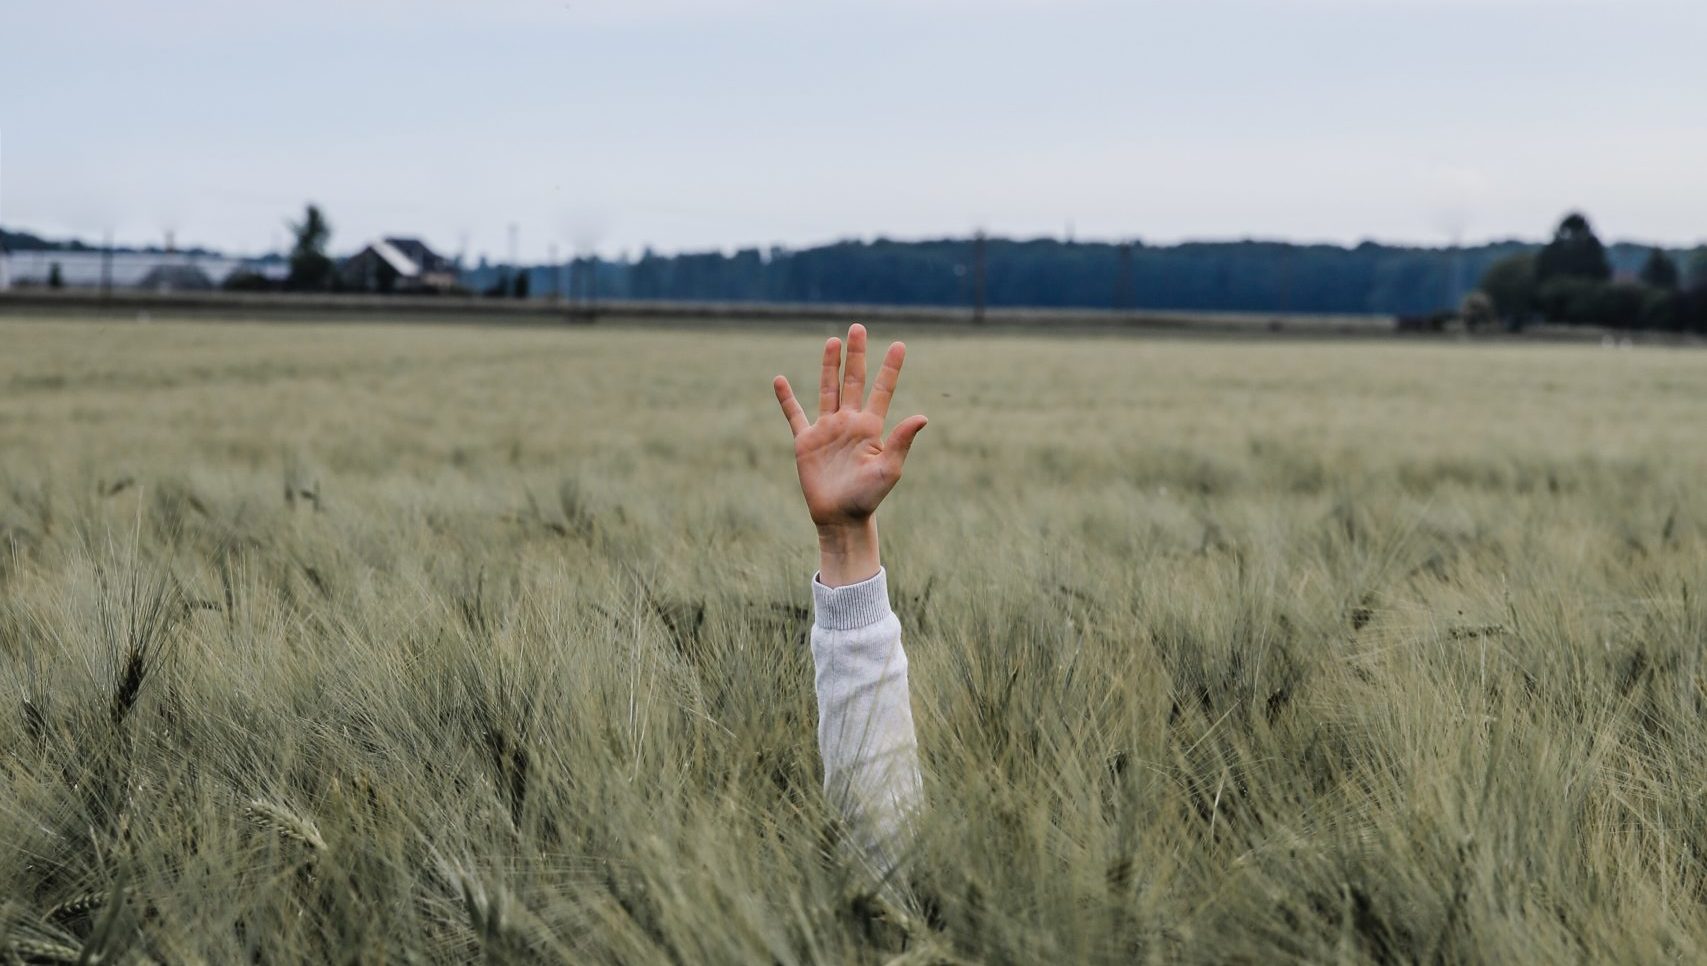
1663	309
1477	312
1694	304
1510	283
310	269
1620	305
244	280
522	284
1574	252
1659	271
1570	300
55	278
1695	277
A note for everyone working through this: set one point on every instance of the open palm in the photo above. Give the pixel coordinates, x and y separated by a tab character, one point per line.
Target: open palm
846	465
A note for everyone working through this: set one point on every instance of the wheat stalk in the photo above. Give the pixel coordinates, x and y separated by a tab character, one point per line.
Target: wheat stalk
77	906
285	822
43	951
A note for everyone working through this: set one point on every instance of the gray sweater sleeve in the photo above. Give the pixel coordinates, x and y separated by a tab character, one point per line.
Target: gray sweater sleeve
865	717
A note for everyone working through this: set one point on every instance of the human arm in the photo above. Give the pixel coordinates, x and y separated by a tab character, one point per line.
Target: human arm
846	468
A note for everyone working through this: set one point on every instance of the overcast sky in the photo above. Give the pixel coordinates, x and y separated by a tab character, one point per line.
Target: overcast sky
692	124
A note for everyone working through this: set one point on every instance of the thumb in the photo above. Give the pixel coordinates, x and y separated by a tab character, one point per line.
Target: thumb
901	439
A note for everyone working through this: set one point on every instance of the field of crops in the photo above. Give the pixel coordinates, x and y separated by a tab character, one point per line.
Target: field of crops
380	643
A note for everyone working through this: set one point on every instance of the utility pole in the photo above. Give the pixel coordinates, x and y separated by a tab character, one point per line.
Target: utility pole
556	275
584	284
1123	294
978	246
107	264
1455	271
592	285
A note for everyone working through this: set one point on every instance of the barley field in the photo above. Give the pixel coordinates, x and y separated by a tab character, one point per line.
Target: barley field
392	644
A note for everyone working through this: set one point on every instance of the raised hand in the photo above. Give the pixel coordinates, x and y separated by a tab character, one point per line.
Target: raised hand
846	465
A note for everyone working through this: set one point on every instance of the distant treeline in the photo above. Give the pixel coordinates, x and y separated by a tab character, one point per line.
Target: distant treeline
23	241
1582	281
1255	276
1575	280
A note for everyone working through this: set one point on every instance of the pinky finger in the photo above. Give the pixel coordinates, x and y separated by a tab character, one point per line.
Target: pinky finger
790	406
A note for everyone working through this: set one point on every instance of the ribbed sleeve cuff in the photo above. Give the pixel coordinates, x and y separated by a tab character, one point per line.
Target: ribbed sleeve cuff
853	606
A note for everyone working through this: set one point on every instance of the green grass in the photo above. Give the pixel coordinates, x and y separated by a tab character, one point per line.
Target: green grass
392	644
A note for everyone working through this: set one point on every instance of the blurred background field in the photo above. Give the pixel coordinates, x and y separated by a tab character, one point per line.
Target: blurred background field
425	643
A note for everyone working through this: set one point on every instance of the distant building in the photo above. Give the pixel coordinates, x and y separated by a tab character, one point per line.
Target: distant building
176	278
89	268
398	265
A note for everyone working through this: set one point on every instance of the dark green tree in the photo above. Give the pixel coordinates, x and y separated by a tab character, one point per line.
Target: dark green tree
1621	305
55	278
310	268
1663	308
1695	274
244	280
1571	300
1659	271
1574	252
1694	304
1510	283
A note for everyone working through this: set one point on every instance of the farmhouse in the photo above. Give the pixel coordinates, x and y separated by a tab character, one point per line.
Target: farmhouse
398	265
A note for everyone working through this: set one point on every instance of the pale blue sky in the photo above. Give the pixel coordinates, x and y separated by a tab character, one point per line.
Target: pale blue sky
725	123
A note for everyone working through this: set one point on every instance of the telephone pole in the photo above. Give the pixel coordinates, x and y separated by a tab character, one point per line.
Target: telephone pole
978	246
592	285
579	287
1123	294
107	264
1455	271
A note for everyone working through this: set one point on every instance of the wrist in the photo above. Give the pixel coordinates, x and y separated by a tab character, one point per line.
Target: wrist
847	552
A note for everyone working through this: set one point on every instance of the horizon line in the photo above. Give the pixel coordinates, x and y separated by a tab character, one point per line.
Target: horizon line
629	254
